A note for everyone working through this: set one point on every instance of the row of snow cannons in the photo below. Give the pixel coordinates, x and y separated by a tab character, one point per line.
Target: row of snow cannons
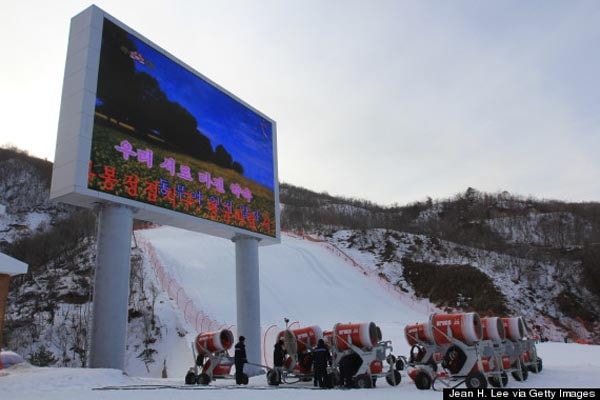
451	349
357	353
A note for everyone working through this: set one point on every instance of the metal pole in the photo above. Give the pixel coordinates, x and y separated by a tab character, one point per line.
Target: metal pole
248	298
111	287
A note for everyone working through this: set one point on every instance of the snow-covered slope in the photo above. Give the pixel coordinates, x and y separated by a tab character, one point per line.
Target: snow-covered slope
301	280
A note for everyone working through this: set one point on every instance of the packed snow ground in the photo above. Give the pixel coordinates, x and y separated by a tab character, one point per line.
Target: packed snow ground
300	280
565	366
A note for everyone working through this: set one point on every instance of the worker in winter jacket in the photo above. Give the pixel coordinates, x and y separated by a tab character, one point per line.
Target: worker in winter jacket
321	358
278	358
240	359
349	366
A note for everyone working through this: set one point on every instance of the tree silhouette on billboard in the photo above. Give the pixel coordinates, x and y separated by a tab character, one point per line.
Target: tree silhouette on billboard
135	98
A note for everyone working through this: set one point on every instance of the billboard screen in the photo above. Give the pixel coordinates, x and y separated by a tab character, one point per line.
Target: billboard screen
168	140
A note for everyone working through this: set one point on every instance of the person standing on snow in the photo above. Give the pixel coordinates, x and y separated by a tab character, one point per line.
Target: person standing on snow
278	359
240	359
321	358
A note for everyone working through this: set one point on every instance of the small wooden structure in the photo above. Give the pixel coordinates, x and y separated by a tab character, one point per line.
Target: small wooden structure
8	267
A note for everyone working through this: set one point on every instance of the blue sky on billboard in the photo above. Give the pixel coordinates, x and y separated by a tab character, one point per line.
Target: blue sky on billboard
223	119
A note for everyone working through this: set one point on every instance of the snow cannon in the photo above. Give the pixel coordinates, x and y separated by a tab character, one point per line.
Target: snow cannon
447	348
300	340
359	354
362	335
442	329
418	333
465	327
521	348
493	329
213	342
299	344
328	338
515	328
211	356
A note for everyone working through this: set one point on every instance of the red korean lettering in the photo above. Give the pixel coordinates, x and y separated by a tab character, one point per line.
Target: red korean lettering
187	199
151	191
266	224
251	219
171	197
238	217
213	209
109	177
131	184
91	173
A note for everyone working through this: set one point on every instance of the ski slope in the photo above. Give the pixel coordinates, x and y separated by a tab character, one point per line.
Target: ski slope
300	280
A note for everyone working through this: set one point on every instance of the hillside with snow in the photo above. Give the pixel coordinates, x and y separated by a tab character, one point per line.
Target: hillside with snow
300	280
303	280
491	253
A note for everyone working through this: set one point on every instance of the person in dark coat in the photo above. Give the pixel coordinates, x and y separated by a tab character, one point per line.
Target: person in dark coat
240	359
321	358
278	358
349	366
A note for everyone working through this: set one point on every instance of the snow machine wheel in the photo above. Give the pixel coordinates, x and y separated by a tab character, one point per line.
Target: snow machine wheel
273	378
498	382
476	380
363	381
521	376
417	352
393	378
400	364
422	380
191	378
245	379
536	368
203	379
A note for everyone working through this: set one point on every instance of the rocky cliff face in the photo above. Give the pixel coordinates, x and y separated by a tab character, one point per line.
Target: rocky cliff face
477	251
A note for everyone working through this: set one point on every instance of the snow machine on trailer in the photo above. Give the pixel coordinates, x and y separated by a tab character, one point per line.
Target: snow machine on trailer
449	350
470	350
358	355
298	362
211	358
520	349
357	359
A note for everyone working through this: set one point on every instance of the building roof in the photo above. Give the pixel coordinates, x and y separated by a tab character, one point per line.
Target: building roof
11	266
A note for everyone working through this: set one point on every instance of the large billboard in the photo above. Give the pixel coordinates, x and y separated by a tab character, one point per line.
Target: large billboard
140	128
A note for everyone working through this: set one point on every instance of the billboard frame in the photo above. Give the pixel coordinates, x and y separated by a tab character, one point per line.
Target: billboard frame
75	132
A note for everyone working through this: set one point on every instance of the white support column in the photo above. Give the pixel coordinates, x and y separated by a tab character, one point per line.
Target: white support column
248	298
111	287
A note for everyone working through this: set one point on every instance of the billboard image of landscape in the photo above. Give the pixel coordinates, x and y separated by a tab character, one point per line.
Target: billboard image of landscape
165	136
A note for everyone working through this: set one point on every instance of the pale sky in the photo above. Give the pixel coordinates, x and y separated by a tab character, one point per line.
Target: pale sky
389	101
